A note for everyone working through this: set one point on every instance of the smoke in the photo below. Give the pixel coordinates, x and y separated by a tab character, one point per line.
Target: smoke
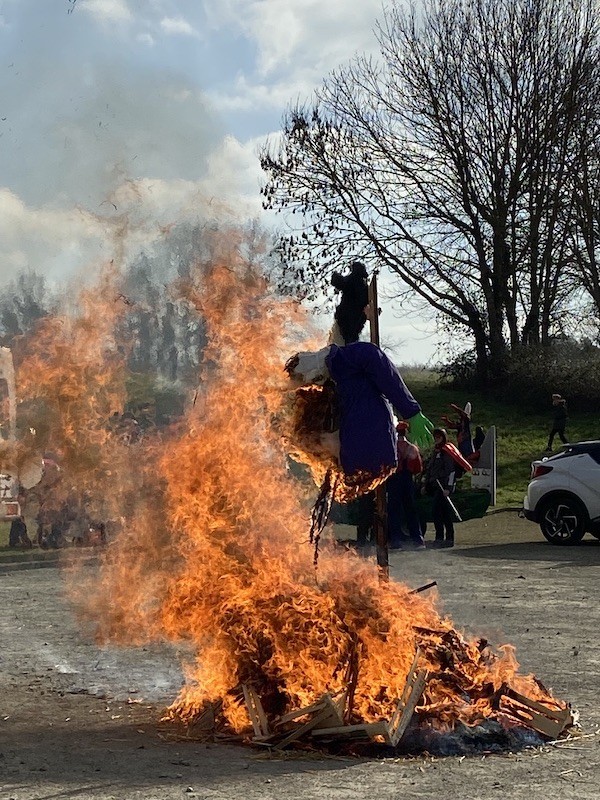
102	140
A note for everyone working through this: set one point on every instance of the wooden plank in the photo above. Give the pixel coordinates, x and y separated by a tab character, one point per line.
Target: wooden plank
424	588
380	520
336	709
206	720
526	701
257	715
406	707
369	729
301	730
300	712
535	715
536	721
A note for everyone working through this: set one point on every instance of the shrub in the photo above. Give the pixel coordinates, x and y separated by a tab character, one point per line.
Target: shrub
533	373
460	373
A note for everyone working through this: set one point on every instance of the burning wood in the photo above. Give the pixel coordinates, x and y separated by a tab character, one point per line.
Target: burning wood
393	729
540	718
207	721
324	720
424	588
328	711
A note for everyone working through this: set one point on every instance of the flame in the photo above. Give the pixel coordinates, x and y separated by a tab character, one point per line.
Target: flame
70	378
215	553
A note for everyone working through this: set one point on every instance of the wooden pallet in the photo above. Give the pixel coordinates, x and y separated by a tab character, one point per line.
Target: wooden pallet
391	730
256	712
534	715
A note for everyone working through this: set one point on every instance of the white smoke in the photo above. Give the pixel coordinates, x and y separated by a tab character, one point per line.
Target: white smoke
101	134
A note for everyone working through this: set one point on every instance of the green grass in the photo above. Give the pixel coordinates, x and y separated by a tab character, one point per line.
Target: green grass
521	434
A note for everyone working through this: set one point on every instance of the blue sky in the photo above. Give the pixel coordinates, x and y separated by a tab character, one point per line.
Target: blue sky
149	110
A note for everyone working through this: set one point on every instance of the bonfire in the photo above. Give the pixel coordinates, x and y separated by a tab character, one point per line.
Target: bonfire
213	549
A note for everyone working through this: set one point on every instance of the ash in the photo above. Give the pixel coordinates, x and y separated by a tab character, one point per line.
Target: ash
489	737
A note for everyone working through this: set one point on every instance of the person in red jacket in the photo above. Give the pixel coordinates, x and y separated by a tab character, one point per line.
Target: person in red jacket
401	495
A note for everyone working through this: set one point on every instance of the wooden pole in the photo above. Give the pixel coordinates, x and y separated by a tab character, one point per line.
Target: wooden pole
380	524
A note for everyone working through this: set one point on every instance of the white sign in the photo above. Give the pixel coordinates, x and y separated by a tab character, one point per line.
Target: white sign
483	475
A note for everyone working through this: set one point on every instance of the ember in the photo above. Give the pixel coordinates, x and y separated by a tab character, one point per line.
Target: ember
216	552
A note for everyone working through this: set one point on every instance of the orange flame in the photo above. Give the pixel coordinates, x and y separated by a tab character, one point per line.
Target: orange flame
216	553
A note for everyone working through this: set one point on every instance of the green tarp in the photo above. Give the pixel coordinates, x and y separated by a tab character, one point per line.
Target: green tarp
471	504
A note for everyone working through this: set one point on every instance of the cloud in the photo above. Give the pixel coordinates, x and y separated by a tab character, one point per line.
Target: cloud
247	95
107	11
177	26
298	42
60	242
145	38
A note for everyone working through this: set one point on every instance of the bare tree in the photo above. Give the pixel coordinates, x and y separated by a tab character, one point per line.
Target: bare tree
448	160
584	228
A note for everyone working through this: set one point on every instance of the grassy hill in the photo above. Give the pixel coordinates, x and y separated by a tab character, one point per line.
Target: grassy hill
522	435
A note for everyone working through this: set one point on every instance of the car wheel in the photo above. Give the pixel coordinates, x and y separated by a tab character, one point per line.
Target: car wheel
562	520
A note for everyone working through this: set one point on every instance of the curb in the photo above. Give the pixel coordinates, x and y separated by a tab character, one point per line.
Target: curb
21	566
32	554
9	566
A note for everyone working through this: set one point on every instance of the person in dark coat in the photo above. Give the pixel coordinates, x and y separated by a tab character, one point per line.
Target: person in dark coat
17	536
401	495
441	475
350	314
559	422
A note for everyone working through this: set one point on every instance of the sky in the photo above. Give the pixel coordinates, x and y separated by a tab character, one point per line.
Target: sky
119	118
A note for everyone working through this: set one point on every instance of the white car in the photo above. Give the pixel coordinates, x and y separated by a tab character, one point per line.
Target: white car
564	493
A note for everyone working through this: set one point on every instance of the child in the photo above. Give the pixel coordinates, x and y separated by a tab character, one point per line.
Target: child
441	477
462	426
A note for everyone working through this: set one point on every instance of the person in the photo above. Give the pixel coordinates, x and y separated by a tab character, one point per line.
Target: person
401	495
479	438
17	536
559	422
351	312
462	426
440	481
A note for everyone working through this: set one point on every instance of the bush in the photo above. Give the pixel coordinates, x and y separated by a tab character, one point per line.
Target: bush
460	373
565	367
532	374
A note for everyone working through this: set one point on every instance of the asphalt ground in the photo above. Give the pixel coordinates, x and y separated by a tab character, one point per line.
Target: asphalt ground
80	721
